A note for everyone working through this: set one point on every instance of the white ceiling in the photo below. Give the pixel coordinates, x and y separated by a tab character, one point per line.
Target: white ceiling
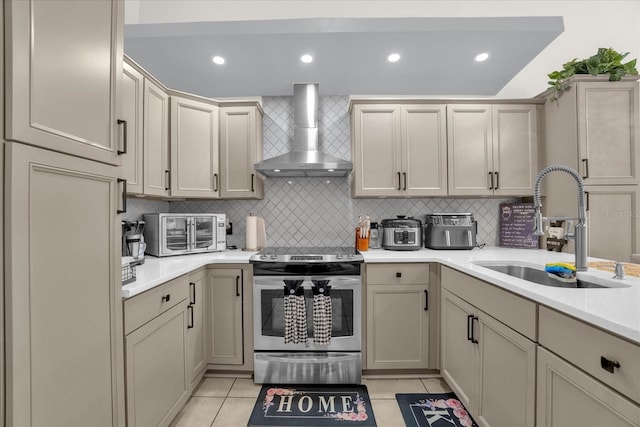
262	57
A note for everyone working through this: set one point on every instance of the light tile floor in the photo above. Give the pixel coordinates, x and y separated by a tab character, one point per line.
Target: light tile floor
228	402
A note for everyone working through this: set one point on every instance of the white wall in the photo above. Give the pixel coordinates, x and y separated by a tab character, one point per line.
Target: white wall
588	24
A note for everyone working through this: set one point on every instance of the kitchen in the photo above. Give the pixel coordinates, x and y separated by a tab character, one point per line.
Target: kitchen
328	228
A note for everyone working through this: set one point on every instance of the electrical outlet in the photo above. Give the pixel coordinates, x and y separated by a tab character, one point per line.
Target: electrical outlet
229	228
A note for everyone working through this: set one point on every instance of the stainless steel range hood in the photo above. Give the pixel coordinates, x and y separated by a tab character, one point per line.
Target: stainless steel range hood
304	159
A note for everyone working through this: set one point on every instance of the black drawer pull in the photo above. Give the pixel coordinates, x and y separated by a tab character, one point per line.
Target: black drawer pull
497	181
609	365
237	286
469	328
399	187
491	176
253	176
166	298
426	300
190	324
398	274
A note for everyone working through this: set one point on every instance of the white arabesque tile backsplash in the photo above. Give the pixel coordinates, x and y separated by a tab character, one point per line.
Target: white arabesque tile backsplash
319	211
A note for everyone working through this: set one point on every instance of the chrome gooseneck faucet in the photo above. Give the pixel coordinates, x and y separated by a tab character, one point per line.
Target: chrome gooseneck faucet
580	235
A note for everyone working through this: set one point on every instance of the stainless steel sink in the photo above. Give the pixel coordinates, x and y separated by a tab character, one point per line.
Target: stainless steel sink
540	277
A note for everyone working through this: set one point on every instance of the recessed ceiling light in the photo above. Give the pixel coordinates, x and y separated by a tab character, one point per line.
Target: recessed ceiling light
276	170
306	58
219	60
482	57
394	57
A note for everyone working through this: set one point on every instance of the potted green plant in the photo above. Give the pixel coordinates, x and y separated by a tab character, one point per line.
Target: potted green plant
606	61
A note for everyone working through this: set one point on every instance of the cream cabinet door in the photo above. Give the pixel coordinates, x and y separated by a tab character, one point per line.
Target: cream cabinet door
568	397
194	149
197	357
397	327
612	216
224	311
63	74
240	148
507	373
515	149
608	132
459	357
156	140
376	151
158	383
424	150
62	290
132	113
469	142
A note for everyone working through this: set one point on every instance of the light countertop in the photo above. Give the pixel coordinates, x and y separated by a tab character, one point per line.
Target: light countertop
613	309
156	271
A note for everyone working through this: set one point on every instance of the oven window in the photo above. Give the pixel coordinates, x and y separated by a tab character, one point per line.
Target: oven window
272	312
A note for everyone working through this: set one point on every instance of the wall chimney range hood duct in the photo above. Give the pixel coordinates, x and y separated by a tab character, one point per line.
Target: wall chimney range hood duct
304	159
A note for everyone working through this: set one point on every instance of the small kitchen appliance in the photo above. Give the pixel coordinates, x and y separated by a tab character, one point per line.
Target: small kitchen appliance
318	339
133	244
402	234
450	231
179	234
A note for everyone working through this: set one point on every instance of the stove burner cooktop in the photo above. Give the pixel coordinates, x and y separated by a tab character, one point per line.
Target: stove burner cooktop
313	254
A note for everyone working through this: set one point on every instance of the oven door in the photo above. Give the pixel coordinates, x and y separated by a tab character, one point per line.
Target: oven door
346	305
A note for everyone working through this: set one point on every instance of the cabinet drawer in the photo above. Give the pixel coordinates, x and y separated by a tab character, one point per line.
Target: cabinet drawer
585	345
401	274
143	308
516	312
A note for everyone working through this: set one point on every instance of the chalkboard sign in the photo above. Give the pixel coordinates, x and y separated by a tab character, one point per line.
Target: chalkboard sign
516	226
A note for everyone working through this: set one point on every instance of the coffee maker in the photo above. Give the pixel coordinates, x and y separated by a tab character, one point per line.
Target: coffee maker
133	241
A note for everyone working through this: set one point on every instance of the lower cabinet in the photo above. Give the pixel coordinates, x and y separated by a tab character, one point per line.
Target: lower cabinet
490	366
568	397
224	315
397	319
157	369
196	331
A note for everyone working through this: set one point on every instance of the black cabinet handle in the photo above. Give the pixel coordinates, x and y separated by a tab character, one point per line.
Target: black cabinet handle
586	195
404	175
237	286
426	300
473	333
253	176
398	274
124	196
470	331
609	365
215	180
167	175
166	298
124	138
192	288
399	187
585	162
190	308
497	181
491	178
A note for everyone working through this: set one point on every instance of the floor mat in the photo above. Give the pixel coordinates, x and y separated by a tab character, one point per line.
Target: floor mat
312	406
433	410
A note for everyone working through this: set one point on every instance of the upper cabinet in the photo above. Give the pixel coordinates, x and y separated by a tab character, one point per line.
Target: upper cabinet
240	148
492	149
47	66
156	140
594	127
398	150
132	107
194	148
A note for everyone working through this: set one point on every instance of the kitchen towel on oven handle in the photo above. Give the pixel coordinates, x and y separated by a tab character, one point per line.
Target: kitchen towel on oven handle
321	312
295	313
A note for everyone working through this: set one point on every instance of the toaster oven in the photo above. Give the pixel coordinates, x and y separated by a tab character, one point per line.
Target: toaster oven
178	234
